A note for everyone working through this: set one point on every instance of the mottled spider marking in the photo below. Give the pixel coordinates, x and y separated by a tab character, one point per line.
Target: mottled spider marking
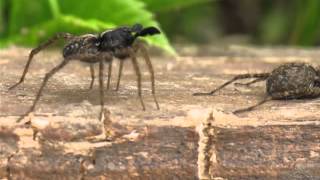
292	81
84	48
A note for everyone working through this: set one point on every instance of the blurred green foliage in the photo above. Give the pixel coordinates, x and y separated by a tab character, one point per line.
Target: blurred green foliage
296	22
171	5
28	22
307	25
267	22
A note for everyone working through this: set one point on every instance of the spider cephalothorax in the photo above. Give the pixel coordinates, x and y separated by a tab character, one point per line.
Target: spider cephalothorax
101	48
288	81
123	37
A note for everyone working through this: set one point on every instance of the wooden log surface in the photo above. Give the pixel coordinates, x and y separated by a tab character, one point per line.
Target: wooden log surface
67	141
258	149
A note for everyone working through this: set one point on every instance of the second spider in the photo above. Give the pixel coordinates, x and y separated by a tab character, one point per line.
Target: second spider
288	81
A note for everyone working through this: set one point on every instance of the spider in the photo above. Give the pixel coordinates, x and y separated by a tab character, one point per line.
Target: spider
99	48
287	81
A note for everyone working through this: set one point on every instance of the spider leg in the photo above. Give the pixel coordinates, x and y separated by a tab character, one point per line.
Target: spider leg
267	98
242	76
307	92
119	74
146	57
44	82
138	73
251	82
109	74
101	70
37	50
92	75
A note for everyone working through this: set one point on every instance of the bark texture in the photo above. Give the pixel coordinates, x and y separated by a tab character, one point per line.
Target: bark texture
66	140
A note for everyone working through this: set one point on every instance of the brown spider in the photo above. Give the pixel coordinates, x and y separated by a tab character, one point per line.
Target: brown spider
288	81
89	48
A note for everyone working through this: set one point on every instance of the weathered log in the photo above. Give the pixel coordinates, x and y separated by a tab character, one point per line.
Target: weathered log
159	153
277	150
71	143
8	146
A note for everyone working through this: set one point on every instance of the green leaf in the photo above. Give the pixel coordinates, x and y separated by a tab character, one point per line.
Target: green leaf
33	21
118	12
55	9
167	5
70	24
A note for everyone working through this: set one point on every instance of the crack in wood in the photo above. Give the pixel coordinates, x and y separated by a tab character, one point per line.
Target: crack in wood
8	169
84	163
204	148
83	169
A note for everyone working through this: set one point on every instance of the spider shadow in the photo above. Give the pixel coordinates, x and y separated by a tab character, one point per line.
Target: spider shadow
78	95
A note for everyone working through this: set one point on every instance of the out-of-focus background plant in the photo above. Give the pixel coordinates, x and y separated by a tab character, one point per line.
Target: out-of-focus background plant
266	22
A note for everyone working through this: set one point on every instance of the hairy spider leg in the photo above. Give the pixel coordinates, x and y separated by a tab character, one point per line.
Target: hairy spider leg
251	82
267	98
44	82
314	92
138	73
145	55
36	50
101	70
109	74
119	74
242	76
92	75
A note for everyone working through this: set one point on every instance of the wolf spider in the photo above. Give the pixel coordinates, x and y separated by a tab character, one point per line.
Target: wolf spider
287	81
99	48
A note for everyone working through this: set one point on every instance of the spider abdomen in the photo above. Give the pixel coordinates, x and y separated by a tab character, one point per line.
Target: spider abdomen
87	44
291	81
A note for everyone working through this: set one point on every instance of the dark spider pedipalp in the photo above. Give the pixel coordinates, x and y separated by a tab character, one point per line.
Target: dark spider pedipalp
101	48
287	81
